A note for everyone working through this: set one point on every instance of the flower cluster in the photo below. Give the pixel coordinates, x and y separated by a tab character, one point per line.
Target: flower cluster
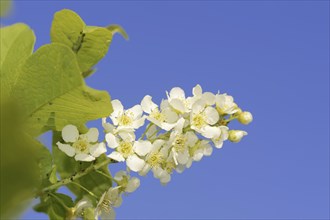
179	131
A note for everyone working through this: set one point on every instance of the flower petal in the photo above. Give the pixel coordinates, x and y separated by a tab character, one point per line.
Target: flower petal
111	140
147	104
118	108
142	147
97	149
209	98
178	105
132	185
210	132
177	93
134	163
212	116
70	133
84	157
67	149
116	156
197	91
92	135
135	112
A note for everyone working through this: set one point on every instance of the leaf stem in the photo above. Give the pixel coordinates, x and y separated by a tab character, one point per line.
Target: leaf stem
82	187
145	132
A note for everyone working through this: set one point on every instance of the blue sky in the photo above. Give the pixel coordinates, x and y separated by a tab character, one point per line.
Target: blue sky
273	57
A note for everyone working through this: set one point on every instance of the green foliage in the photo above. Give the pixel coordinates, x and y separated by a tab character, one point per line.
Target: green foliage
56	205
46	91
90	43
17	42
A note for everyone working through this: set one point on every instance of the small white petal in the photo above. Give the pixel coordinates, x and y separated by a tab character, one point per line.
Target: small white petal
165	179
84	157
135	112
209	98
67	149
97	149
210	132
170	116
198	155
70	133
208	150
134	163
92	135
116	156
111	140
212	116
198	106
138	123
183	157
177	93
132	185
119	175
197	91
142	147
178	105
147	104
117	108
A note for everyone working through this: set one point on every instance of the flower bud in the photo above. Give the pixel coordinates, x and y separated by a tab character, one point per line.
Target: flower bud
236	135
245	118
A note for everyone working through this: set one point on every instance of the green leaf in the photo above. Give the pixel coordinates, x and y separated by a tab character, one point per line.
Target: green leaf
90	43
115	28
56	205
75	107
53	94
67	28
50	72
67	166
17	42
94	47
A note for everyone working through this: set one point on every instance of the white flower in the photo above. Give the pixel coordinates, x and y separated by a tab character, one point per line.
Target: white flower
155	160
177	99
126	119
109	199
127	184
129	150
83	147
218	141
180	143
236	135
202	117
225	104
197	151
198	94
79	208
164	117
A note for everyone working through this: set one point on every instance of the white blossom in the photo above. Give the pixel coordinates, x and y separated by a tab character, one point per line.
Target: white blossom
107	202
83	147
202	117
129	119
127	149
164	117
225	104
126	183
